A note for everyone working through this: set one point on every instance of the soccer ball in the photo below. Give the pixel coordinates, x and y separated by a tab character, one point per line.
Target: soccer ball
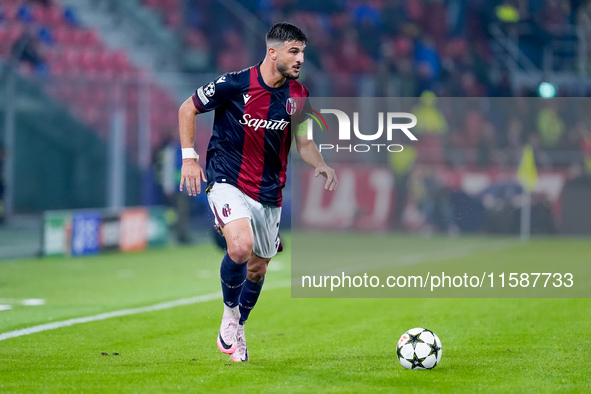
419	348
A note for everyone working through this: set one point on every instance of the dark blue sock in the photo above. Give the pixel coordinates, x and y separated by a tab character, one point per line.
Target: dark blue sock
232	276
248	298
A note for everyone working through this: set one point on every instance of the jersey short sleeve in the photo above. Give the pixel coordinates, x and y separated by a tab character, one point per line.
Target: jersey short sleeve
307	111
212	95
304	110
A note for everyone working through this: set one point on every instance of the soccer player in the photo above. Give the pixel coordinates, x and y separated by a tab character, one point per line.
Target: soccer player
257	112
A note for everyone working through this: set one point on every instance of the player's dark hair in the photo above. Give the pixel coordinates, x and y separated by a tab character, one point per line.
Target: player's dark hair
284	31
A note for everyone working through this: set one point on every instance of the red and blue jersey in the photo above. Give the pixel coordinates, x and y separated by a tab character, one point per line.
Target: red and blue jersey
252	131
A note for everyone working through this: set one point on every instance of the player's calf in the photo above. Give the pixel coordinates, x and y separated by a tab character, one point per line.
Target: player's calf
233	277
256	269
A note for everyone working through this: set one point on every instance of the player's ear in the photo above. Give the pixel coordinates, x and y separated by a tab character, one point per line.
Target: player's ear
272	53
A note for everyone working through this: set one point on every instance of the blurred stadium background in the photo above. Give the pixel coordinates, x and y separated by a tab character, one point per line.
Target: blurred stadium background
89	92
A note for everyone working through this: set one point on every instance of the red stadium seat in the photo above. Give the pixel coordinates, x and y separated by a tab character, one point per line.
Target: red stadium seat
13	2
51	54
103	60
99	95
77	36
48	16
58	69
14	31
131	97
154	4
61	34
173	19
170	4
38	13
10	10
69	56
90	38
119	62
3	35
87	62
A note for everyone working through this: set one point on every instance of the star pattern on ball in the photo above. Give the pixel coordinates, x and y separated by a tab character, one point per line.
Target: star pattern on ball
434	349
398	352
414	339
417	362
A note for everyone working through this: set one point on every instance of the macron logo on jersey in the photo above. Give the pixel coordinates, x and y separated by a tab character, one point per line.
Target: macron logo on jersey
270	124
246	97
222	79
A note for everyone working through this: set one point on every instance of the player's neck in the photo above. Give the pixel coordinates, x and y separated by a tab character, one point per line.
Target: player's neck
271	76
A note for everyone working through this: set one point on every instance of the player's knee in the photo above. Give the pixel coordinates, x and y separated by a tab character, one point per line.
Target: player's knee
240	251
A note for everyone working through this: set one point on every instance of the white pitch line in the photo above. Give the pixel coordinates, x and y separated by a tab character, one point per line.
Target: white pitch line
33	302
124	312
402	261
26	301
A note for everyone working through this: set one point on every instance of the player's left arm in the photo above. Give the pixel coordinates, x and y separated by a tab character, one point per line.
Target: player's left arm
309	152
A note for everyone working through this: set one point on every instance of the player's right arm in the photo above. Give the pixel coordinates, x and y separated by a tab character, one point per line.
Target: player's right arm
191	172
207	98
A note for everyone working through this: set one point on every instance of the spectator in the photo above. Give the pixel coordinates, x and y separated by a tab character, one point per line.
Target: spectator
432	119
456	17
24	13
394	17
368	22
556	16
71	17
432	197
401	164
427	62
25	49
486	146
550	126
515	141
347	61
434	22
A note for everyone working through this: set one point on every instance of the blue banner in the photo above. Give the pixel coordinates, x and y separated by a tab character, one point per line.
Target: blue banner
85	233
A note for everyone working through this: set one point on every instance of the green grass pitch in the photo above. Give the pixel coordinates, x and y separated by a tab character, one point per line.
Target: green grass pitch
295	345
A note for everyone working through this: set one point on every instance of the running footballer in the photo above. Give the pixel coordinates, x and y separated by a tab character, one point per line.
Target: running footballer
257	111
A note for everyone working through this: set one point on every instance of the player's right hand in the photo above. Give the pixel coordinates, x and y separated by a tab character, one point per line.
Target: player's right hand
192	174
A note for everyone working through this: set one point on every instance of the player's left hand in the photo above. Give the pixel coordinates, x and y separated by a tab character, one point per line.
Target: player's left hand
331	177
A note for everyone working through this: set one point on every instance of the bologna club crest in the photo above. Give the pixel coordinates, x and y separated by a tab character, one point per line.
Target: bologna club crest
226	211
290	106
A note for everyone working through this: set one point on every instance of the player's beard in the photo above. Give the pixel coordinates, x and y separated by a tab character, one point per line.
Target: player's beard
285	71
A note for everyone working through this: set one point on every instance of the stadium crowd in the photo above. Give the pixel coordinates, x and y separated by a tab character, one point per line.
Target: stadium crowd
438	45
405	48
412	48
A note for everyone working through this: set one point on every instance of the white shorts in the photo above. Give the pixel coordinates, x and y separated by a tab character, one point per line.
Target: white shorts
228	203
